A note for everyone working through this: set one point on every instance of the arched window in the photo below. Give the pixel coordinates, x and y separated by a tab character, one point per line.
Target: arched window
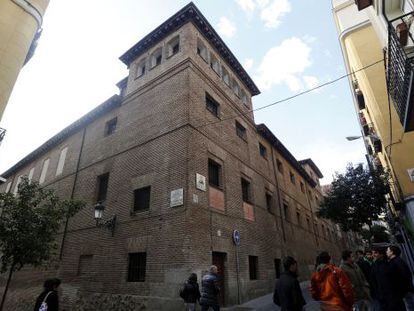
156	57
141	67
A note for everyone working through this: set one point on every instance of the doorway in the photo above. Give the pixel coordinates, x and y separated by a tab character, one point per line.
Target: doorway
219	259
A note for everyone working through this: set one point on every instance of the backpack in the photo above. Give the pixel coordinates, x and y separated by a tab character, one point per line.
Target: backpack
43	305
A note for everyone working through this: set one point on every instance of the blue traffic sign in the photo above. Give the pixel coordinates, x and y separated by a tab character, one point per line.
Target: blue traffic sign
236	237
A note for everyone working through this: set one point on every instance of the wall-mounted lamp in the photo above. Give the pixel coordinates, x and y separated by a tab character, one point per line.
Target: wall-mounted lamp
100	223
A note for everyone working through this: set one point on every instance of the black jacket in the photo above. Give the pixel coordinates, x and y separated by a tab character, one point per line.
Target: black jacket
52	301
190	292
288	294
380	280
400	277
209	290
365	267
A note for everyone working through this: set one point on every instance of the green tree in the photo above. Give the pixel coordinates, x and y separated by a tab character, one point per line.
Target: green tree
29	222
377	234
356	198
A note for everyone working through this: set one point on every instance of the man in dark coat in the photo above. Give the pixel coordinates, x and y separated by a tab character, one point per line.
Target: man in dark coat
49	296
210	291
400	278
288	294
363	264
380	280
190	293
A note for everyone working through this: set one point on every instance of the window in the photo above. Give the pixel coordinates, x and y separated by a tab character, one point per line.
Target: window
241	131
268	201
286	210
102	187
173	46
214	64
137	263
16	188
298	218
142	198
156	58
141	68
31	172
202	50
263	151
110	126
214	171
244	98
310	195
212	105
225	76
236	88
279	166
292	178
44	171
253	267
302	187
61	162
84	265
246	190
8	187
277	263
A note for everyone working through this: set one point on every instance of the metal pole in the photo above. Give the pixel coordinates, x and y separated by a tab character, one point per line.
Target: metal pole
237	274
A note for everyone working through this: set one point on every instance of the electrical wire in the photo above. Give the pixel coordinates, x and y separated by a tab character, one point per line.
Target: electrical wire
293	96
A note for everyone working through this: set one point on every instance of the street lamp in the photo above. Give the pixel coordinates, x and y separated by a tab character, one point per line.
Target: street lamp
100	223
351	138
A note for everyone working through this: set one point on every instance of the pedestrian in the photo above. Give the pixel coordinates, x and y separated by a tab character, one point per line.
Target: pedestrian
48	299
360	285
210	290
380	280
288	294
400	278
190	293
331	286
364	264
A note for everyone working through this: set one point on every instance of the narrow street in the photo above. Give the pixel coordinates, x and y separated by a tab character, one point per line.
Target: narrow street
265	303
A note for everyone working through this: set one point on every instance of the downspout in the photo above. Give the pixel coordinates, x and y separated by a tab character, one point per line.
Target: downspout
72	194
279	197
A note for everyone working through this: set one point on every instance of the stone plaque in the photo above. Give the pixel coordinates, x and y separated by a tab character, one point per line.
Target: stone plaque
201	182
177	197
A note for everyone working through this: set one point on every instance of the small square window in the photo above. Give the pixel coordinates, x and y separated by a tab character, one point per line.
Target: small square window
142	198
246	190
214	64
241	131
214	171
279	166
141	68
212	105
110	126
292	178
253	267
137	265
173	46
263	151
286	210
156	58
225	75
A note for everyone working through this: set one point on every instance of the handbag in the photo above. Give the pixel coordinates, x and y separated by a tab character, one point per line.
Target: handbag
43	306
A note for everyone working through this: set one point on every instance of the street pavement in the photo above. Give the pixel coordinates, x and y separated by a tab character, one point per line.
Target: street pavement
265	303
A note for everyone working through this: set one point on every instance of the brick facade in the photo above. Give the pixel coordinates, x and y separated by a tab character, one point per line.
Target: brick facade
165	136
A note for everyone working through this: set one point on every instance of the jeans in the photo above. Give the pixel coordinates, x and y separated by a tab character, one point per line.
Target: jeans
207	307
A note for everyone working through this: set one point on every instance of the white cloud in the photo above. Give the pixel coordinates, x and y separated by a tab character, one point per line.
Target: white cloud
226	27
285	63
310	81
272	14
309	39
248	63
247	5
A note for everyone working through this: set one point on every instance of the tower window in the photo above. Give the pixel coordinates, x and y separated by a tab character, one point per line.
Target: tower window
173	46
110	126
212	105
156	58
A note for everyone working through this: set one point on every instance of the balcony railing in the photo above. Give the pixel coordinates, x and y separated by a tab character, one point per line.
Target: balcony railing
400	69
2	134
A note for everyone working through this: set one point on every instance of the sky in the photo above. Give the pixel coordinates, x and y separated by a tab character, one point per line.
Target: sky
287	46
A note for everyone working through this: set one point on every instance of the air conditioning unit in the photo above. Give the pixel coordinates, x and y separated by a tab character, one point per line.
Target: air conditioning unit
362	4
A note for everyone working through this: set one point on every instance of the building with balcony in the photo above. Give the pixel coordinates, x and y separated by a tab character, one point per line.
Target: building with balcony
179	160
378	35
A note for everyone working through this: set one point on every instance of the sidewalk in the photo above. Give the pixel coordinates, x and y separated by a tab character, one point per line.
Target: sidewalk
265	303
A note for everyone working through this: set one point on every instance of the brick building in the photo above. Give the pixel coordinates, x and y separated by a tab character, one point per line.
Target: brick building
178	158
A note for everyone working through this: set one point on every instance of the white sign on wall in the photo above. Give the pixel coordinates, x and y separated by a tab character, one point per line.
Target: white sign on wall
201	182
177	197
410	172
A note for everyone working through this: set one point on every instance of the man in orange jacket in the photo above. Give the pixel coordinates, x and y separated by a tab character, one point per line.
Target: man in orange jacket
331	286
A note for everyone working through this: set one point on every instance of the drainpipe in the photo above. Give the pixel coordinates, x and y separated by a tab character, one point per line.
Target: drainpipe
279	197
